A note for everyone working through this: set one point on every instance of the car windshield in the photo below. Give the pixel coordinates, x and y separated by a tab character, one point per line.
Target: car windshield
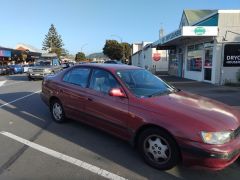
43	63
143	84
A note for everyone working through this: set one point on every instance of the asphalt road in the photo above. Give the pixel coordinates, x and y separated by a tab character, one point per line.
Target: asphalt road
76	151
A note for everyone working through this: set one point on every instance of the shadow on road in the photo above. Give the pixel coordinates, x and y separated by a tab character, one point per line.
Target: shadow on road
16	77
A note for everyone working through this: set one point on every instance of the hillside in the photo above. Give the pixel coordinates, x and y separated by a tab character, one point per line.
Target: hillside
96	55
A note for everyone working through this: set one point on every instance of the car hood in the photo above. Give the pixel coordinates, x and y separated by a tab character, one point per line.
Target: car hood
40	67
205	112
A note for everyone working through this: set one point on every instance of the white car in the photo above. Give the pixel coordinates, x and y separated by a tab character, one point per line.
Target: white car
26	67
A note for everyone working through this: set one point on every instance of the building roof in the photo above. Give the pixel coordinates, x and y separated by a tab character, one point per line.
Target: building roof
196	15
22	46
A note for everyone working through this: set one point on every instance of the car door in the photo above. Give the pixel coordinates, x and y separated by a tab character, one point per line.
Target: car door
56	65
72	90
107	112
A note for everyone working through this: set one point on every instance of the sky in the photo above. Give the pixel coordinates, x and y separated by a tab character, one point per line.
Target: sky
87	24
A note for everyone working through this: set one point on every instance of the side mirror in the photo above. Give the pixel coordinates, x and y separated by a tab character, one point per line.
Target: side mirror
117	92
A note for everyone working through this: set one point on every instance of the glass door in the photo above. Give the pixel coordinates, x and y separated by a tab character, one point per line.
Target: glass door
207	66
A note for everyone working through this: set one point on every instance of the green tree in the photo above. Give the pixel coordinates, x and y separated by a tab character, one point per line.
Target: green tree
126	51
80	56
113	50
53	41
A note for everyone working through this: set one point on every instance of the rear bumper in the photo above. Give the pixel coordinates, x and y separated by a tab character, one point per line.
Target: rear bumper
214	157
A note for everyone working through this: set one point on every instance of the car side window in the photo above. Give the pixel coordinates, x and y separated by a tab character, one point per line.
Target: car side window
56	62
103	81
77	76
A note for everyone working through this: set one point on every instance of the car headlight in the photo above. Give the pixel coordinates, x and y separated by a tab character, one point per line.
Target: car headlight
216	137
47	70
30	70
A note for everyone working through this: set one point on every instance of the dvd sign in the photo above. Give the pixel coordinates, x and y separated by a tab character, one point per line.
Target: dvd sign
231	55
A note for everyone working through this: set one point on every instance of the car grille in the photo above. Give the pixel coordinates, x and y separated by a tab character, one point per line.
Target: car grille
236	133
37	70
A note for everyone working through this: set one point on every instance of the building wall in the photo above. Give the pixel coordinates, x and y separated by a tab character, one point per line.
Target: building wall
227	22
136	47
135	59
162	65
144	59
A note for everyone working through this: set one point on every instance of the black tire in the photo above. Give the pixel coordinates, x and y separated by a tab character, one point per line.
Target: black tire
156	154
29	78
61	118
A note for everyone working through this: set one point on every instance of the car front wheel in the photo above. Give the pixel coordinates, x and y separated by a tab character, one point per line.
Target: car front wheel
57	111
158	149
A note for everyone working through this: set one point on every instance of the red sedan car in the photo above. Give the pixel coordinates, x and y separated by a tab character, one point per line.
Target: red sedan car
167	125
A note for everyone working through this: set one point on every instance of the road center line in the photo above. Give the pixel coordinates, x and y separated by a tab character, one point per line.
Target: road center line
19	99
64	157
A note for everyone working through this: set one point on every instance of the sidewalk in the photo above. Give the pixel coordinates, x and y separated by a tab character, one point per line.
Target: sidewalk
225	94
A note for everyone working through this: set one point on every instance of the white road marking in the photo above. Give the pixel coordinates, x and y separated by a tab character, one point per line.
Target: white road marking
12	83
29	114
19	99
69	159
2	83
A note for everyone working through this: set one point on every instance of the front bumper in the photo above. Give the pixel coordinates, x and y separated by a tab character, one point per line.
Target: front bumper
215	157
38	75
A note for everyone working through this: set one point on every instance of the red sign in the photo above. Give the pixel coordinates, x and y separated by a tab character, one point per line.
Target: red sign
156	56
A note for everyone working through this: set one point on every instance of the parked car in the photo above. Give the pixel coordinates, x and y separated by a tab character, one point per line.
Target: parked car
67	65
16	69
3	70
113	62
44	67
26	67
166	125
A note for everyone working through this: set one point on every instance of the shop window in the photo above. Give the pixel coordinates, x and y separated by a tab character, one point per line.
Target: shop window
194	57
208	57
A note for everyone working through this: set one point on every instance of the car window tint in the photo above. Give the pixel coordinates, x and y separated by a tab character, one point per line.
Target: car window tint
77	76
103	81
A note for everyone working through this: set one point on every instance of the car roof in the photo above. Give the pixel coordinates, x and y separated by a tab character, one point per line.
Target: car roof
110	67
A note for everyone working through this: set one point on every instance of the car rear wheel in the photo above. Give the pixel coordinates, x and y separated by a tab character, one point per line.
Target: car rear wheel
158	149
57	111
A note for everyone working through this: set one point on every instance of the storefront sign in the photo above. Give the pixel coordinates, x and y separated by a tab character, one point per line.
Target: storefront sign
200	31
188	31
156	56
5	53
171	36
231	55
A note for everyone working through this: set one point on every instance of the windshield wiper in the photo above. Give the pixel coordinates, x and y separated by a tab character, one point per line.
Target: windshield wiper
160	93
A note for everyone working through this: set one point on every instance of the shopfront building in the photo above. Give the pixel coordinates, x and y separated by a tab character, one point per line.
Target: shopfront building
5	56
206	48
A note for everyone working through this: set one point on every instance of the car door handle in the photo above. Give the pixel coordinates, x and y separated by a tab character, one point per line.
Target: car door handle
89	99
